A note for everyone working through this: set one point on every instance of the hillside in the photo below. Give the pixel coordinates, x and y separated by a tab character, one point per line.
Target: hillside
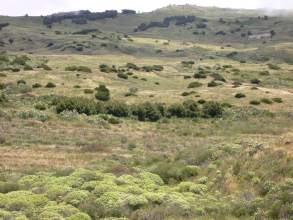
125	116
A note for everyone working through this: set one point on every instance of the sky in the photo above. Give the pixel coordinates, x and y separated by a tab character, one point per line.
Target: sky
45	7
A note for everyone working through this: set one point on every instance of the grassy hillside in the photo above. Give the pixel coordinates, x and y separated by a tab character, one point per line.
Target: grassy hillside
157	125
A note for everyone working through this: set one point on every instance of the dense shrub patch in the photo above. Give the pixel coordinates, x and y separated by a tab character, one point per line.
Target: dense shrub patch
84	69
144	111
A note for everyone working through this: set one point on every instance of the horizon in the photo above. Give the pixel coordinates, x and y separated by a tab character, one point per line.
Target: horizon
56	6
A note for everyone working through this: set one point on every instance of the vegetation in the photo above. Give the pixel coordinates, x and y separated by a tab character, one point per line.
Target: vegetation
190	117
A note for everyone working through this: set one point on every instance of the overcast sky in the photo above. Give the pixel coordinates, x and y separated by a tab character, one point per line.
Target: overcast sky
44	7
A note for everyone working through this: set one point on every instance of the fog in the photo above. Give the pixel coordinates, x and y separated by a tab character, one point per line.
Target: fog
44	7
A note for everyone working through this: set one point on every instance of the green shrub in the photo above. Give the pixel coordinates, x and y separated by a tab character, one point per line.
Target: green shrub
212	109
27	68
147	112
153	68
218	77
21	81
33	115
201	101
36	85
254	102
78	104
132	66
84	69
122	75
273	66
266	101
240	95
88	91
191	109
50	85
255	81
194	85
45	67
118	109
2	97
107	69
199	76
2	86
213	84
20	60
277	100
103	93
6	187
177	110
41	106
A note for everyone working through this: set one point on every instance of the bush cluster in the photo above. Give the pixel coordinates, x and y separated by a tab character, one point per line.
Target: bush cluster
84	69
144	111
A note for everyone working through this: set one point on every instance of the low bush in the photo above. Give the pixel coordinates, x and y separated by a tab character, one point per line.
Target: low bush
212	109
107	69
266	101
36	85
122	75
273	66
103	93
88	91
147	111
218	77
240	95
84	69
213	84
153	68
78	104
277	100
254	102
40	106
118	109
255	81
194	85
50	85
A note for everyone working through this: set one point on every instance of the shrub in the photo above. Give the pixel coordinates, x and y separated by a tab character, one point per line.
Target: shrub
266	101
212	109
50	85
255	81
118	109
40	106
21	81
218	77
240	95
122	75
78	104
36	85
45	67
84	69
6	187
254	102
153	68
273	66
147	112
27	68
33	115
201	101
2	98
191	108
2	86
177	110
132	66
194	85
277	100
103	93
107	69
199	76
88	91
213	84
